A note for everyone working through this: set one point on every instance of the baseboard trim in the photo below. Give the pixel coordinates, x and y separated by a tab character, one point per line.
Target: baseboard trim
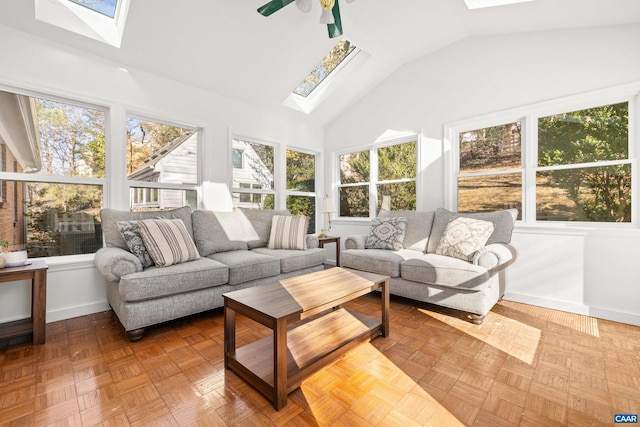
76	311
598	312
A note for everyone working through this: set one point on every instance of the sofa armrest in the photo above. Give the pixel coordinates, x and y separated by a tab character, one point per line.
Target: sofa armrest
113	263
355	241
312	241
495	257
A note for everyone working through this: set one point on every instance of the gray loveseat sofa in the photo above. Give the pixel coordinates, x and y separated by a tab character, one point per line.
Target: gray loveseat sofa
233	255
419	273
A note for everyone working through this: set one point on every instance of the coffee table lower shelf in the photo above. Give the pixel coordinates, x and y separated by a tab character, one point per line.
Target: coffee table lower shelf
311	345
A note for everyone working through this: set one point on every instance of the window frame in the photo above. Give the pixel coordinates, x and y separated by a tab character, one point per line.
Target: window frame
529	115
313	194
133	185
277	165
374	173
23	178
92	24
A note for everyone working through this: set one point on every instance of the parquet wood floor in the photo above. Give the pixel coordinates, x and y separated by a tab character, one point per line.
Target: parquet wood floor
523	366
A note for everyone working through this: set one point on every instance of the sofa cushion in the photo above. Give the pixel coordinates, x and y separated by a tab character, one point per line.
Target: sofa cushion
217	232
129	231
463	237
294	260
259	221
386	233
167	241
157	282
380	261
110	217
418	227
288	232
503	222
444	271
247	265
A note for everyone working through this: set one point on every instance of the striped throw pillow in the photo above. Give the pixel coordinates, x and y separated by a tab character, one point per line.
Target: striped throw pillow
288	232
167	241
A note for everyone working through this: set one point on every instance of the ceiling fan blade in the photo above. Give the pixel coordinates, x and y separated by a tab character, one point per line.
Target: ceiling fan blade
335	29
273	6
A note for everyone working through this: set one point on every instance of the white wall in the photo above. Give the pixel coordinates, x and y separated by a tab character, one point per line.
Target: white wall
34	64
585	271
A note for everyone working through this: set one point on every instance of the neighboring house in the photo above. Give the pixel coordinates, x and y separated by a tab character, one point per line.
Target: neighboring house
175	163
249	172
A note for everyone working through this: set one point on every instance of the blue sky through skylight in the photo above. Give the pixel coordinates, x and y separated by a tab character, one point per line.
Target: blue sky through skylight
105	7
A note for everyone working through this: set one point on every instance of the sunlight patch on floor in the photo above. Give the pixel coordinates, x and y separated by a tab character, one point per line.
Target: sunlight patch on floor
514	338
577	322
366	386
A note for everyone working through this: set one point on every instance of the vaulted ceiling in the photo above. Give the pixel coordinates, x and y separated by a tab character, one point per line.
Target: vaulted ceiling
227	47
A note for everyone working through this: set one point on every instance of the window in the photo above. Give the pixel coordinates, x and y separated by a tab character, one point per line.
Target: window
329	63
301	185
490	175
580	169
105	7
101	20
584	171
388	172
53	175
238	158
165	158
253	185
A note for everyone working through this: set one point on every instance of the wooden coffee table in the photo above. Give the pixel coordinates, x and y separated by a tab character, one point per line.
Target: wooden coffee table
310	328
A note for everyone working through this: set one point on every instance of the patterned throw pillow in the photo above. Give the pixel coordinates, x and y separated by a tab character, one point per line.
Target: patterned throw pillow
386	233
463	237
129	231
288	232
167	241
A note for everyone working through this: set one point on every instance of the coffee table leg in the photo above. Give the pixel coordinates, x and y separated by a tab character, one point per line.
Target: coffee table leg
280	365
229	334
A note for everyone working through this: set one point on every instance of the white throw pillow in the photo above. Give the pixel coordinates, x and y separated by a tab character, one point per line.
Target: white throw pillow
463	237
288	232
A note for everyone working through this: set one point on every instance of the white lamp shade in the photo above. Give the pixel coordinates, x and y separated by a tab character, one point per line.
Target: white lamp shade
216	197
326	206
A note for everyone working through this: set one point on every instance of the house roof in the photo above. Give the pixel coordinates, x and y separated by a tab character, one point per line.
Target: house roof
159	155
259	60
19	130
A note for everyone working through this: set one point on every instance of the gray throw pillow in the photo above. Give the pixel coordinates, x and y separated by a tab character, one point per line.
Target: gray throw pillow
386	233
129	231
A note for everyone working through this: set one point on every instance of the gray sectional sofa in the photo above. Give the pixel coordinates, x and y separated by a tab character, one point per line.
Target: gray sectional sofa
419	273
233	255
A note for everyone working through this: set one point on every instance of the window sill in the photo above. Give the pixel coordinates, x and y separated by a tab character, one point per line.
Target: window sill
69	262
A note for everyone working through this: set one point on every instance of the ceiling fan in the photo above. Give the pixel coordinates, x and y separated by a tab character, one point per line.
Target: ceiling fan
330	12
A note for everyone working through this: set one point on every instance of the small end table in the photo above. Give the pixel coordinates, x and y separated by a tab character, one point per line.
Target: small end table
331	239
36	271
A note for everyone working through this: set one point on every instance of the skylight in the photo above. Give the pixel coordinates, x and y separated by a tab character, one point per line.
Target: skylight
477	4
321	71
101	20
105	7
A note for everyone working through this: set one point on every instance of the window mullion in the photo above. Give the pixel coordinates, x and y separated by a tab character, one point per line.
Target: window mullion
373	181
531	162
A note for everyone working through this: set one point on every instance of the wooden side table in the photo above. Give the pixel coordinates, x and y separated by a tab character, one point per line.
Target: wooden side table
331	239
35	325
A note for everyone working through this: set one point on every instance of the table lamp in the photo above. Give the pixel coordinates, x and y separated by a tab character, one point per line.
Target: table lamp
326	208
